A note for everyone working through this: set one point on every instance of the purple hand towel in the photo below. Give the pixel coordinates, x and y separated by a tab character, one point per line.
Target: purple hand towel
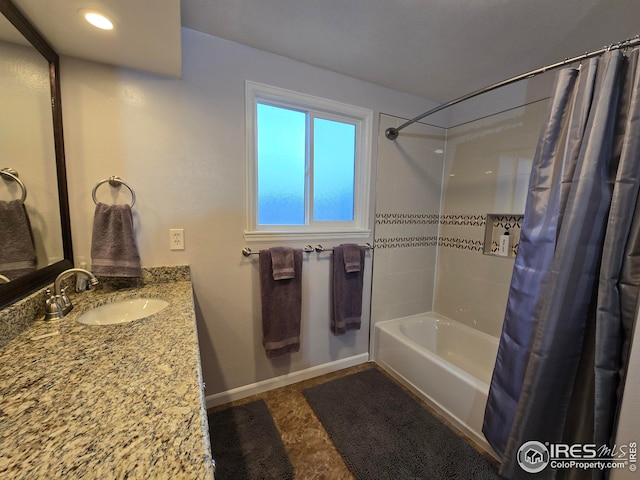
17	251
281	307
351	253
347	293
282	263
113	244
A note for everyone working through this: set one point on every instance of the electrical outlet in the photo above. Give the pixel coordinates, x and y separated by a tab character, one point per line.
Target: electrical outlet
176	238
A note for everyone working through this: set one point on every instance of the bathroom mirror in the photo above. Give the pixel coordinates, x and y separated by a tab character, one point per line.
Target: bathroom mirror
31	144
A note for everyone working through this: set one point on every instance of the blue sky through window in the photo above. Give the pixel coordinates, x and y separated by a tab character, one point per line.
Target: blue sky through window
281	165
281	146
333	170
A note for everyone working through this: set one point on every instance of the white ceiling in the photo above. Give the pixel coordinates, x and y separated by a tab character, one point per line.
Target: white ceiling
146	34
436	49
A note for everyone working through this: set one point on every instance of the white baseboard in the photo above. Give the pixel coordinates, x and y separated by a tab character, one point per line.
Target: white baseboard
283	380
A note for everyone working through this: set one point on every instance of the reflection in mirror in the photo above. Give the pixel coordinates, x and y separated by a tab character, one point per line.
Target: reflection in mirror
30	234
35	237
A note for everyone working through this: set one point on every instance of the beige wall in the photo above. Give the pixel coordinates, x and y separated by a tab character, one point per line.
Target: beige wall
181	144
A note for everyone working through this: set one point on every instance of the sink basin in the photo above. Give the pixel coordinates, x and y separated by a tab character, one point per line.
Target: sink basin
123	311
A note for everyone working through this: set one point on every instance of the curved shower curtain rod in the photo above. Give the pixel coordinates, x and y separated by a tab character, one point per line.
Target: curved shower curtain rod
392	132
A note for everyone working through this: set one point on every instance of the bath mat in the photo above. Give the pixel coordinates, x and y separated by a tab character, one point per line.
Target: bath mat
246	444
383	433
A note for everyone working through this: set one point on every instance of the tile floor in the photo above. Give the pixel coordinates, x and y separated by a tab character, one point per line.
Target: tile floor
310	450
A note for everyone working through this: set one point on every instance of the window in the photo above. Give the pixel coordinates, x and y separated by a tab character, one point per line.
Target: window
308	165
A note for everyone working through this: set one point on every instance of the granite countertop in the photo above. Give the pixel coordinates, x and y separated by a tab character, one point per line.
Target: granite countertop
111	401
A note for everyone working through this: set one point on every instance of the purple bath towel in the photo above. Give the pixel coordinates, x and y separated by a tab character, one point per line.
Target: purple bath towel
281	306
346	291
17	251
113	244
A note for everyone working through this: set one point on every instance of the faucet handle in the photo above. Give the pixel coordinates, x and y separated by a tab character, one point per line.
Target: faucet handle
65	301
52	308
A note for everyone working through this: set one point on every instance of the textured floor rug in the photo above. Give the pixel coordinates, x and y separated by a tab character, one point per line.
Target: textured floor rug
246	445
383	433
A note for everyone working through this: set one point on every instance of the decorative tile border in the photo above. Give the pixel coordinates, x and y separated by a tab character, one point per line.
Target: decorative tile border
432	241
508	221
406	242
511	222
494	249
461	243
407	218
430	219
465	220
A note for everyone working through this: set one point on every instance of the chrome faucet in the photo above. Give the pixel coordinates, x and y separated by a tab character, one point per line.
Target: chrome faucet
59	304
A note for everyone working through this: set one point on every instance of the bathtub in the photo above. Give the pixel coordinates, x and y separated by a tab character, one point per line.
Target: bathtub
446	363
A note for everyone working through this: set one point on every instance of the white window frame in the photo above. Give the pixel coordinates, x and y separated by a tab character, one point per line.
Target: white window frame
362	118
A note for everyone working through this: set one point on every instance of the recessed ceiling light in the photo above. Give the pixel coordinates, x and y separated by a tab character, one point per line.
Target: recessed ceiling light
439	151
98	20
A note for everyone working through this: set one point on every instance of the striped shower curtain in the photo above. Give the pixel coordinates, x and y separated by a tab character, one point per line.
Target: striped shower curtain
572	301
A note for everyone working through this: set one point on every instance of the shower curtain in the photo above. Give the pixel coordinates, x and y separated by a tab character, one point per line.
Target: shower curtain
572	300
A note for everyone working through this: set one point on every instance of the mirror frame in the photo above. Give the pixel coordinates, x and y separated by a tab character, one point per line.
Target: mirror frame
31	282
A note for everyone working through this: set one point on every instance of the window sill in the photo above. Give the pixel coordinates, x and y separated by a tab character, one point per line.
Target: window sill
270	236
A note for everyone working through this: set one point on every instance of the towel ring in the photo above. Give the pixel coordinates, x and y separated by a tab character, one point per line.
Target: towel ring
115	182
12	174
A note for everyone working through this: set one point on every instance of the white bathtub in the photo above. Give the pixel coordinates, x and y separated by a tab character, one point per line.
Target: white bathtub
446	363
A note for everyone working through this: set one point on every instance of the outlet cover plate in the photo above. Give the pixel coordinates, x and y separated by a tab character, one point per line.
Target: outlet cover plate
176	238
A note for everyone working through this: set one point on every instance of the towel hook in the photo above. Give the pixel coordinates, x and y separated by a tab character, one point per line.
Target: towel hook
12	174
115	182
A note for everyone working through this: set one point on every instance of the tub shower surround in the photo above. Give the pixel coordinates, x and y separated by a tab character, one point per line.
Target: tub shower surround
439	262
467	239
113	401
